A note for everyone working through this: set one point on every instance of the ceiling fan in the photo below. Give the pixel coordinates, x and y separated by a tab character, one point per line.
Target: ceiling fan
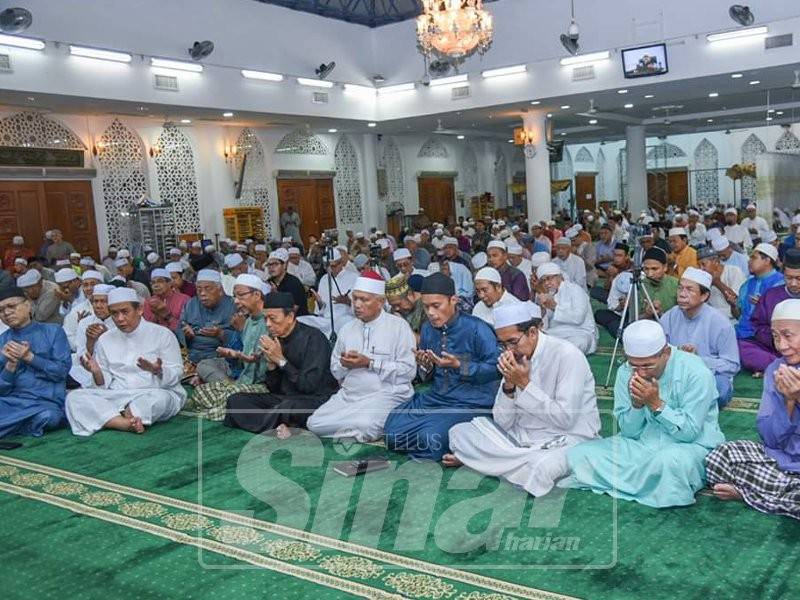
594	113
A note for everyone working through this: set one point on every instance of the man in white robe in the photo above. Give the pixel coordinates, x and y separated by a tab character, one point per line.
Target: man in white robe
301	268
136	374
545	405
81	308
756	226
489	288
336	299
89	329
571	264
569	311
374	363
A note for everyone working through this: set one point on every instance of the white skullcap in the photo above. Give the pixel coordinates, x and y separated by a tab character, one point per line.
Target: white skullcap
64	262
699	276
450	241
209	275
175	251
182	244
571	232
713	233
112	247
101	289
515	228
147	248
400	254
197	244
425	231
768	250
515	314
163	273
241	248
643	339
342	248
379	232
787	310
505	234
91	275
564	241
174	267
370	286
677	231
693	213
124	253
294	251
383	243
515	249
120	262
233	260
501	223
548	269
265	288
250	281
20	261
489	274
29	278
280	254
260	248
539	258
412	238
152	258
439	232
74	254
335	255
250	240
359	235
286	240
65	275
731	211
210	248
622	282
122	294
480	260
496	244
720	243
769	236
18	240
796	220
87	261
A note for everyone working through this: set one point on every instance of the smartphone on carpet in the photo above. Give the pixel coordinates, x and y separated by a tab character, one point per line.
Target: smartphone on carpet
361	465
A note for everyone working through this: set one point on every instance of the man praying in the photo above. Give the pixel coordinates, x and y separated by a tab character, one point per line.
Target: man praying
513	279
335	300
374	363
283	281
491	293
406	302
569	311
88	331
136	373
164	307
545	405
42	294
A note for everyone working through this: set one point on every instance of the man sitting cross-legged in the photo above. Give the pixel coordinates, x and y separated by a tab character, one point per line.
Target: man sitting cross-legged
136	373
459	352
569	310
694	326
208	322
766	474
545	405
665	402
90	328
374	362
34	361
297	379
165	305
210	398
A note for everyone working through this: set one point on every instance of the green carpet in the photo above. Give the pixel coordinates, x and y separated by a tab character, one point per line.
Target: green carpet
124	514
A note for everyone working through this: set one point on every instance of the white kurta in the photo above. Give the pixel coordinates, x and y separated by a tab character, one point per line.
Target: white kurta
486	313
757	223
733	278
342	313
573	319
737	234
697	236
77	372
148	397
526	442
367	396
71	319
575	269
303	271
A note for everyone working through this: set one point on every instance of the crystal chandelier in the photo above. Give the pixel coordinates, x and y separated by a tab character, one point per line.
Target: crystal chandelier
454	29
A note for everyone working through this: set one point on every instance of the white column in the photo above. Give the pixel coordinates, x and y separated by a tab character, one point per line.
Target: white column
371	203
636	165
537	168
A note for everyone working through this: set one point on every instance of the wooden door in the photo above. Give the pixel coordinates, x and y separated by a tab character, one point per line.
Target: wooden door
667	187
70	208
584	192
312	200
437	198
678	188
21	212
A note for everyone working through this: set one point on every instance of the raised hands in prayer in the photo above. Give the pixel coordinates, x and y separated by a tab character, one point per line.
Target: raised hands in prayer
546	301
644	392
689	348
423	359
158	306
188	332
215	331
787	382
15	352
237	355
354	360
153	367
515	373
272	349
64	295
428	358
82	314
237	321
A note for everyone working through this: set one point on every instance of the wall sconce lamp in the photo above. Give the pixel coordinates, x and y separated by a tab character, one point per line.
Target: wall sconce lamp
230	152
155	150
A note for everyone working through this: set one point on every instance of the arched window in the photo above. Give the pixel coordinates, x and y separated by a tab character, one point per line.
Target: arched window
432	148
346	185
752	147
255	183
706	177
177	183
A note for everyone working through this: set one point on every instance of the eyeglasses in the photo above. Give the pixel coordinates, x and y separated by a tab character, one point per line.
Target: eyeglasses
274	263
241	295
511	343
11	307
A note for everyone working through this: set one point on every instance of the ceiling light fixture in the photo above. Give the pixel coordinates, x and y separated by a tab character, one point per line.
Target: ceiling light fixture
629	105
648	96
360	90
592	121
394	89
754	82
186	121
261	75
227	115
713	95
332	130
585	58
735	34
85	52
175	65
21	42
709	120
460	137
510	141
769	118
779	113
454	30
372	124
565	107
622	91
504	71
320	83
448	81
737	76
535	102
549	115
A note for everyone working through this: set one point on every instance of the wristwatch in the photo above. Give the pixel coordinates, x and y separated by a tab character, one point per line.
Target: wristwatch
660	409
282	363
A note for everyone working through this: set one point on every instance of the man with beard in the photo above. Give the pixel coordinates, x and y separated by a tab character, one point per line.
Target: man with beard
283	281
406	303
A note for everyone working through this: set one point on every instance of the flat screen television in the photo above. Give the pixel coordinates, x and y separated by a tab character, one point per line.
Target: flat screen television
556	150
645	61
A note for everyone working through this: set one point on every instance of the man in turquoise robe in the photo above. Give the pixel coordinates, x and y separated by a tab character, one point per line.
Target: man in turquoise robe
34	362
665	402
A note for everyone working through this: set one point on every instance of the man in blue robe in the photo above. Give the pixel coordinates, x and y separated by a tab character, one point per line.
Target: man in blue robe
34	362
665	403
459	353
764	275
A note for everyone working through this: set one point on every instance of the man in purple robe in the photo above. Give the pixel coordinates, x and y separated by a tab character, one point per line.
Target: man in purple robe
512	278
758	352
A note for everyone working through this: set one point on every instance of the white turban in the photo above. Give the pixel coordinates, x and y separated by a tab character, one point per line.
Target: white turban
122	294
643	339
370	286
488	274
65	275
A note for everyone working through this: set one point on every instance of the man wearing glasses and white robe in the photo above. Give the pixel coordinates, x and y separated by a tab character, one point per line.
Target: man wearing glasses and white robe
545	405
